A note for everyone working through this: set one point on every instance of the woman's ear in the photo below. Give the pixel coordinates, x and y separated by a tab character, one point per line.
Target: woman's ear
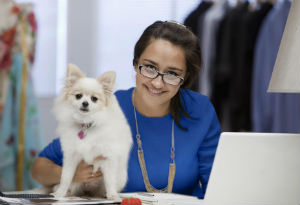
135	65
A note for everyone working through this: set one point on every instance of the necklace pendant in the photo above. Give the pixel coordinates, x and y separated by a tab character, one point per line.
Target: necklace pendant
83	130
81	134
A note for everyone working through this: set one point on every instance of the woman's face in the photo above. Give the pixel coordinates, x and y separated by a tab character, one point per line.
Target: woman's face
165	57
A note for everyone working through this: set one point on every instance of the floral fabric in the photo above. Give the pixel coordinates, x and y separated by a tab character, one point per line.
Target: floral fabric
11	65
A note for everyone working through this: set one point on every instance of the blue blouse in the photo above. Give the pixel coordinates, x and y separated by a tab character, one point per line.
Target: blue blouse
194	149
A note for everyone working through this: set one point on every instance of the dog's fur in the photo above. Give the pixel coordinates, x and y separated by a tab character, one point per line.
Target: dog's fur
109	134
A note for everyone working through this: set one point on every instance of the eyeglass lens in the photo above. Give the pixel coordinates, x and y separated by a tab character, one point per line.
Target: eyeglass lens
152	73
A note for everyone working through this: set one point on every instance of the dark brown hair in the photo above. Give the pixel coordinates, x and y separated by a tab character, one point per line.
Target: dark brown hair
179	35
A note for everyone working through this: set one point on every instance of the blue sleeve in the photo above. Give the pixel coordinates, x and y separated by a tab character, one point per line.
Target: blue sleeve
208	147
53	152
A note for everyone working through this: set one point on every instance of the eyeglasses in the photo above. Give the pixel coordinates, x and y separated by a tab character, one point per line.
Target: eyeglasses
151	72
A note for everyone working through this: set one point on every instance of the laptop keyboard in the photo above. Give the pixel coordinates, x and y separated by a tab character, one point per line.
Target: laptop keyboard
26	196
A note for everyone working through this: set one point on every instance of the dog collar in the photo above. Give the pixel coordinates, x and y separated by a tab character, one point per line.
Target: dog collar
83	130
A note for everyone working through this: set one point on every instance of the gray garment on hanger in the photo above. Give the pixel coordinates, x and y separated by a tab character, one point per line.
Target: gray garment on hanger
210	24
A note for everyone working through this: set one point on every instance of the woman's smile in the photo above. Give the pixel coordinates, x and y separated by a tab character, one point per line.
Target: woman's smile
155	92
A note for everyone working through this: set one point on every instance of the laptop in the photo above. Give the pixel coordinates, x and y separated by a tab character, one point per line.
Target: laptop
255	168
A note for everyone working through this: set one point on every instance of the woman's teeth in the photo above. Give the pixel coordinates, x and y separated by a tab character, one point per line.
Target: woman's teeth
155	91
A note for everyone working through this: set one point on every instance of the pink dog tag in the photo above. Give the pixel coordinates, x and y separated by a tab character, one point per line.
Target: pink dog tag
81	134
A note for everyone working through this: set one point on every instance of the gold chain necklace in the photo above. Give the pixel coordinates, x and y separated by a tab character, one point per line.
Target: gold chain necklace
172	167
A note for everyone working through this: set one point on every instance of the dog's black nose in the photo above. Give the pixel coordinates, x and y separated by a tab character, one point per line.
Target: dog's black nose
85	104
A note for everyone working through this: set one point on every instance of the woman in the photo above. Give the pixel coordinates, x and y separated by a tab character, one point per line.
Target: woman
175	130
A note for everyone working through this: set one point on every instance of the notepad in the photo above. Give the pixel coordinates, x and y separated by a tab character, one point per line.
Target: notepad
57	201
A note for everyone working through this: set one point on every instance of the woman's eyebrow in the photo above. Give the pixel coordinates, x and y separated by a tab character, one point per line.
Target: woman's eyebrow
171	67
151	61
176	69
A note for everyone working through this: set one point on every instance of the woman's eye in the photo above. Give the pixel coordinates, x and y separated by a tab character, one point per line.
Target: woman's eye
94	99
172	73
78	96
150	66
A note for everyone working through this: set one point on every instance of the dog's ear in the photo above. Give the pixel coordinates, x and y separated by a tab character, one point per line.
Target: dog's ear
108	81
73	74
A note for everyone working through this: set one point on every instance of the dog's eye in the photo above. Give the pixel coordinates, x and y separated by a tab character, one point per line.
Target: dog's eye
94	99
78	96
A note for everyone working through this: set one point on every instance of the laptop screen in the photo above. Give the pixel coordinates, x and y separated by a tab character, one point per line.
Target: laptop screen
255	168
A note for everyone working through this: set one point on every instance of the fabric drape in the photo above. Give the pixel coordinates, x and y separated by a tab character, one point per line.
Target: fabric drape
20	135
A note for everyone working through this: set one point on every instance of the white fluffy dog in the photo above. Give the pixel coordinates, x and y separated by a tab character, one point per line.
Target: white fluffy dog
91	124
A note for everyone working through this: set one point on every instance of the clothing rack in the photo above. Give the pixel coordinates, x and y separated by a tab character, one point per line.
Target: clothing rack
229	33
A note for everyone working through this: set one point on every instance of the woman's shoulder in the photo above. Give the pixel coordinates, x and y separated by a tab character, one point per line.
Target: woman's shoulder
122	94
124	99
192	98
194	102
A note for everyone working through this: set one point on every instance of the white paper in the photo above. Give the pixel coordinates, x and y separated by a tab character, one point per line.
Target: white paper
164	198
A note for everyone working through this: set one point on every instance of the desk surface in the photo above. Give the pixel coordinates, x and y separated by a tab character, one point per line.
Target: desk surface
146	198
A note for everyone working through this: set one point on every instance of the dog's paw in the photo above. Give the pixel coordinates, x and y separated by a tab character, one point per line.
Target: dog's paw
113	196
59	193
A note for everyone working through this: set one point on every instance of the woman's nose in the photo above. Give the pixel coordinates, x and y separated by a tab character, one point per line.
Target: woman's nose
158	82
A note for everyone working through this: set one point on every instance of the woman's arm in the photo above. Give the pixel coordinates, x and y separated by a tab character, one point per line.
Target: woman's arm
208	148
47	173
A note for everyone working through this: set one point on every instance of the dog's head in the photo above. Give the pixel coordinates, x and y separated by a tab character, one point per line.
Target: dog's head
85	96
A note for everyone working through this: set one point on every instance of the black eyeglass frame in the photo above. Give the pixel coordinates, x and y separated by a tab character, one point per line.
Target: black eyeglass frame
160	74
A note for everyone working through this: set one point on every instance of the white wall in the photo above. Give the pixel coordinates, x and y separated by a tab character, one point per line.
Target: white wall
48	122
82	35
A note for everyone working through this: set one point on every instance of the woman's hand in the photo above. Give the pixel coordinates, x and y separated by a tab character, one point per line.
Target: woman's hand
84	172
47	173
